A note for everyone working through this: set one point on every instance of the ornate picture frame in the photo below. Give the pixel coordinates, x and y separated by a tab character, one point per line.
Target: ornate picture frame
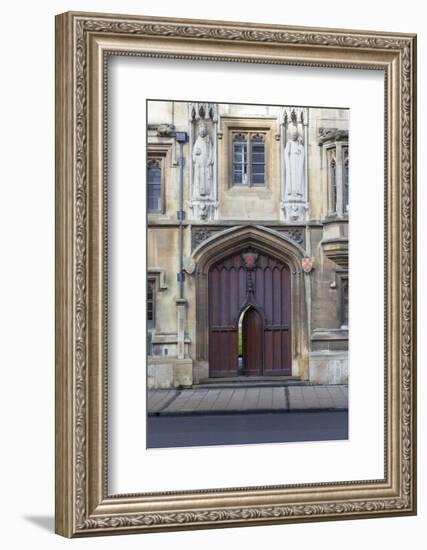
84	42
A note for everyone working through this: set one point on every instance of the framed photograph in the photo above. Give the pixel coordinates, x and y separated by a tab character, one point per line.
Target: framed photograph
235	299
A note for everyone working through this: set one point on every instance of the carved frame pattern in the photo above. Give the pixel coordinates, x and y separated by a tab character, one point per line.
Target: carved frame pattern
83	42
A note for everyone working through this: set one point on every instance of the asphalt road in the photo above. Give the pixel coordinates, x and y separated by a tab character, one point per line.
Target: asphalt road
229	429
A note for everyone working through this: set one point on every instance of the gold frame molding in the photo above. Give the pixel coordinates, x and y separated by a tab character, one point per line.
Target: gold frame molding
83	43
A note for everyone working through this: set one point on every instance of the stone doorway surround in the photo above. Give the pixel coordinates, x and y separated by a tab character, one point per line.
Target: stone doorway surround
274	244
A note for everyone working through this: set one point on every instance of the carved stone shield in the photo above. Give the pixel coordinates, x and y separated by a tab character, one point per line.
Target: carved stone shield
307	264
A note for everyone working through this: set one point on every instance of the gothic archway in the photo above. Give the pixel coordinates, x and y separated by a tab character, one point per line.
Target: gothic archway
269	244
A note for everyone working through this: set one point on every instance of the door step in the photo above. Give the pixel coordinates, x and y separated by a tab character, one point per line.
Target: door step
250	382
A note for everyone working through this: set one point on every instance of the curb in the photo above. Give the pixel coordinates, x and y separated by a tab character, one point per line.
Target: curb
153	414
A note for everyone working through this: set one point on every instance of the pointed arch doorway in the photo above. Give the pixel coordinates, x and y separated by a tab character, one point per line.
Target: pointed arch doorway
249	315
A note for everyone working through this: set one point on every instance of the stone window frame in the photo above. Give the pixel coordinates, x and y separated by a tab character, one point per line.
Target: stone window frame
154	162
158	153
249	135
334	152
231	125
158	277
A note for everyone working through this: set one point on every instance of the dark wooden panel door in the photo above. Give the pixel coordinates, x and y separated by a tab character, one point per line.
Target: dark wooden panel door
277	311
253	336
227	282
264	284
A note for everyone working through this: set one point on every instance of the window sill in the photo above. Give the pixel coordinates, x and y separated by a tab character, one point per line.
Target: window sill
333	218
248	188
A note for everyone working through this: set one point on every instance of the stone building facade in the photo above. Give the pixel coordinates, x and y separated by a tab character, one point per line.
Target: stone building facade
247	235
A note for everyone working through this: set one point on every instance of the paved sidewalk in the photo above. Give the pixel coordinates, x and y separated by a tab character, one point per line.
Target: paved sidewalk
244	399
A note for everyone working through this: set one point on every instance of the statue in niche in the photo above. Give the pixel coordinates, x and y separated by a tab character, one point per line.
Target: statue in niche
203	163
294	164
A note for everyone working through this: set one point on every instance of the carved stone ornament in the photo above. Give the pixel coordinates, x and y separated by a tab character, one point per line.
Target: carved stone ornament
189	265
204	111
200	235
296	234
166	130
331	134
84	506
294	211
307	264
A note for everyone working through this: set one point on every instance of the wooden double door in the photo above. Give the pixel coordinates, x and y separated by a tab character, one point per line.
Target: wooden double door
250	296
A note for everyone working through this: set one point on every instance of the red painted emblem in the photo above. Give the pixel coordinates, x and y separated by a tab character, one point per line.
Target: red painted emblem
307	264
250	259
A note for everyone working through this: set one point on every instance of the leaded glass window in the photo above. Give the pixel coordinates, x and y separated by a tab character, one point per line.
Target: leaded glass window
240	159
248	159
151	303
333	176
344	301
258	160
345	180
154	186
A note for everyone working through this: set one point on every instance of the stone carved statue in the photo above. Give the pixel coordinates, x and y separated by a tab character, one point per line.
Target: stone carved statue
203	163
294	165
